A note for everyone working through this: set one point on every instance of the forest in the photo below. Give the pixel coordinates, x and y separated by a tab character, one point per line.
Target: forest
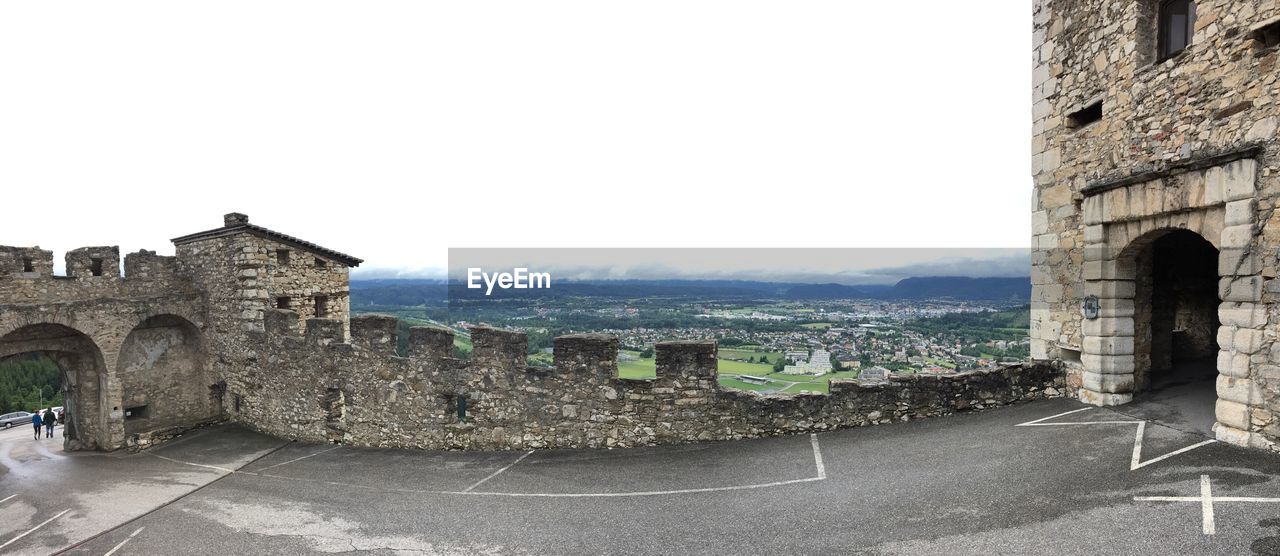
28	382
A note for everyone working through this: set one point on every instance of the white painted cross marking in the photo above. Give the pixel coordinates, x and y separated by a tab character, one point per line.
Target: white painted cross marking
1135	462
1206	501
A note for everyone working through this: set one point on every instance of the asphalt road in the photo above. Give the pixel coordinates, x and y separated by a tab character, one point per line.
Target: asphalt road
968	484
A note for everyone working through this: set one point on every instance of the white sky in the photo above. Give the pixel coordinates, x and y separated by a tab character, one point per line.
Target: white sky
394	130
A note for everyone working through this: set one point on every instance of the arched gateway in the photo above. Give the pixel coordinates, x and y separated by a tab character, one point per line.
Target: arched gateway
1171	291
87	426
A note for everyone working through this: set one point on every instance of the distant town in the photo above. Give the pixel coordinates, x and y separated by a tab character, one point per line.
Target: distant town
767	345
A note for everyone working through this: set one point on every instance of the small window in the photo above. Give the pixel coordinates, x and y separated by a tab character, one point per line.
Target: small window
1177	23
321	263
282	256
95	267
137	412
283	303
28	265
1085	116
236	400
1267	36
322	306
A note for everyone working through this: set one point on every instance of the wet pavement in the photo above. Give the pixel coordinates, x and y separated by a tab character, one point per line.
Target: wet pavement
1045	477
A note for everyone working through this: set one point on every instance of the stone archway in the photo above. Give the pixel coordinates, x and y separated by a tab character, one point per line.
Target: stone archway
165	384
1121	224
83	378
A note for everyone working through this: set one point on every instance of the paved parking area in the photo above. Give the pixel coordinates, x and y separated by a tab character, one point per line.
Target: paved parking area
1045	477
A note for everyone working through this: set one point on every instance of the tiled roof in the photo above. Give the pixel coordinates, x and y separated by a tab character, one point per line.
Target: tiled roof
246	227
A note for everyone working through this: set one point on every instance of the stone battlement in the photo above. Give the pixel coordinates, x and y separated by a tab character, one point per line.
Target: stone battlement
26	275
376	398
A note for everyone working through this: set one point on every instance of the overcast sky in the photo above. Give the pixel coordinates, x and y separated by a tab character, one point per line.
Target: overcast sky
395	130
812	265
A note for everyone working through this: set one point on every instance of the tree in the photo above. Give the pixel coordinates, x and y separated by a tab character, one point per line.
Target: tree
780	365
646	353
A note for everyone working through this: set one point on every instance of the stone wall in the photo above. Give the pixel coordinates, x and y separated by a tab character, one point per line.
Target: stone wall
84	322
1186	142
315	387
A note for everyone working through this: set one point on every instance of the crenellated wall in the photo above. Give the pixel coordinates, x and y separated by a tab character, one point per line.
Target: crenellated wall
313	386
180	341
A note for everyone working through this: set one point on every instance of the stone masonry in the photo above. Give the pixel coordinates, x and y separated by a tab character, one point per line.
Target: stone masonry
1182	141
251	326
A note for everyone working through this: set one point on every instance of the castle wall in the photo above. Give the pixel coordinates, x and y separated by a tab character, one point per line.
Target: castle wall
1183	143
360	393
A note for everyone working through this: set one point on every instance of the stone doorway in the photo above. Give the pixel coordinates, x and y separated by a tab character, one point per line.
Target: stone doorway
1152	251
1175	328
81	366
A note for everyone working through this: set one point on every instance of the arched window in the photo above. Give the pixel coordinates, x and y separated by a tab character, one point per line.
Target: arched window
1177	23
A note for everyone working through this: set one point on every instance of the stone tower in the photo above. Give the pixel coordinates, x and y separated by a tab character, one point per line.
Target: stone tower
1155	171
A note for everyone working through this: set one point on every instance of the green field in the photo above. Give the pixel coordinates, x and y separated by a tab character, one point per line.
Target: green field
734	383
647	368
743	353
818	325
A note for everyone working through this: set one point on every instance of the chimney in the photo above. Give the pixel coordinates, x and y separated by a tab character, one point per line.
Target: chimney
235	219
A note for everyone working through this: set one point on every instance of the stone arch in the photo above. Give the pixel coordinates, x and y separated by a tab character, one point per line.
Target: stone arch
1175	277
1123	222
84	379
164	379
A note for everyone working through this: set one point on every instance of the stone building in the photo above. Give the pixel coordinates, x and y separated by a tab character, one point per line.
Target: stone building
1154	230
154	350
251	326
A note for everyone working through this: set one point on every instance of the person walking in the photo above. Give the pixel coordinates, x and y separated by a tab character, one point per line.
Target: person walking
37	423
50	419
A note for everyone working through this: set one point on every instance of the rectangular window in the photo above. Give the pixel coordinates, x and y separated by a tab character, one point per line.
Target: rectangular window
321	263
1267	36
1085	116
283	303
1176	25
137	412
95	267
322	306
236	400
282	256
28	265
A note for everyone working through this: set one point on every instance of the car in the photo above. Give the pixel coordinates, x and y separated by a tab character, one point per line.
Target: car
16	418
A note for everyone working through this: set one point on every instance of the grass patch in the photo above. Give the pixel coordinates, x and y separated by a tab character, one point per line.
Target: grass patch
741	354
728	382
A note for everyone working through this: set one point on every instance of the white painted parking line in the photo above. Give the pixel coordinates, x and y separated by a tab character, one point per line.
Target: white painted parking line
817	457
214	467
637	494
33	529
470	491
1206	506
127	539
1206	501
1135	461
8	498
299	459
498	472
1033	423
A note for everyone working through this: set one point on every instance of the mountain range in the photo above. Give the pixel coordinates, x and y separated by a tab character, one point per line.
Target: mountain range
428	292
